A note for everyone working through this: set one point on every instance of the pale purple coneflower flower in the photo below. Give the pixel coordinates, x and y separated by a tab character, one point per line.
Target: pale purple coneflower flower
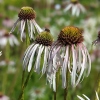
4	97
8	38
70	55
40	48
27	16
75	7
8	22
87	98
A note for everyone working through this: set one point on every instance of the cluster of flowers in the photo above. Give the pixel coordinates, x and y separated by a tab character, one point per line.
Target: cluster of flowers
65	55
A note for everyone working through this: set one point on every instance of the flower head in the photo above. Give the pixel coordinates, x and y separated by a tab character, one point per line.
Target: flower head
76	7
39	48
71	54
37	93
3	97
8	38
27	15
97	41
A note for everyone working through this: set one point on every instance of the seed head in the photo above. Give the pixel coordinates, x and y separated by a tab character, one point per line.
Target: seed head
70	35
74	1
27	13
44	38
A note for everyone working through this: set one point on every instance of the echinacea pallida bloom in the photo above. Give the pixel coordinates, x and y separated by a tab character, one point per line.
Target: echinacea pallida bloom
87	98
75	7
7	38
74	57
37	50
4	97
27	16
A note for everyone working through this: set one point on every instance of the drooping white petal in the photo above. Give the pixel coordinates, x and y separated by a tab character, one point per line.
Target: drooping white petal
15	40
82	67
22	29
31	58
38	60
3	41
80	97
68	7
29	28
86	97
39	30
74	9
54	53
10	39
89	59
14	26
32	29
82	8
27	55
97	95
78	12
54	82
46	52
64	68
73	74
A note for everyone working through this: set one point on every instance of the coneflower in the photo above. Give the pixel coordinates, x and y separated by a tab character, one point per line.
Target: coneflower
70	56
8	38
75	7
40	47
27	16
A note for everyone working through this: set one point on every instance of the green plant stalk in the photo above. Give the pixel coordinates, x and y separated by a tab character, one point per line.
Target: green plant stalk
98	86
54	95
7	52
23	73
21	96
66	89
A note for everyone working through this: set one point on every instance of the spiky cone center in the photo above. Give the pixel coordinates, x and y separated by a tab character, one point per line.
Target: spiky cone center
70	35
44	38
7	35
27	13
74	1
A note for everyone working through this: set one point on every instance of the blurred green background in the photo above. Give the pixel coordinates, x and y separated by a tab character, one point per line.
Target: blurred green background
48	16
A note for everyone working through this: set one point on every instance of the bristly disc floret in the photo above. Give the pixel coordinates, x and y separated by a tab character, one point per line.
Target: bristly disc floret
70	35
44	38
74	1
27	13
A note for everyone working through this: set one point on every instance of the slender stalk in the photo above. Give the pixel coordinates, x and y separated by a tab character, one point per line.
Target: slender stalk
66	89
98	86
23	73
5	76
25	84
54	95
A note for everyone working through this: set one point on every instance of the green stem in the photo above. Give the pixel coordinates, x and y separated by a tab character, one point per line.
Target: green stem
21	96
4	80
66	89
54	95
98	86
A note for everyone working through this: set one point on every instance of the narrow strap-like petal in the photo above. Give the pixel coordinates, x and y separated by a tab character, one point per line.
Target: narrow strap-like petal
31	58
64	68
14	26
38	60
